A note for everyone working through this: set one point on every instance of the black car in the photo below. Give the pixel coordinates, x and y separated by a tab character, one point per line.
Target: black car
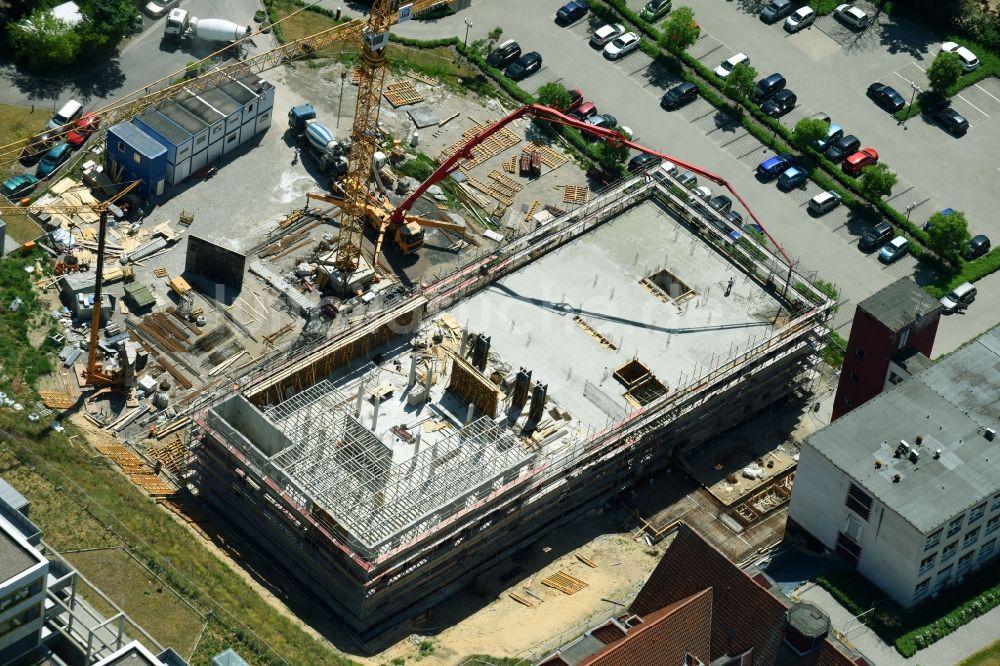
886	97
571	11
876	237
721	203
642	161
947	117
782	102
504	54
735	218
776	10
524	66
679	95
837	151
978	246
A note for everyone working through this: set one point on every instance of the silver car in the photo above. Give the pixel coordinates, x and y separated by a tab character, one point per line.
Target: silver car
157	8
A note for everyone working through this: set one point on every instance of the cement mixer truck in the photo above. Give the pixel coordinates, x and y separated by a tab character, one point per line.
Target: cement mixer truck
181	25
318	141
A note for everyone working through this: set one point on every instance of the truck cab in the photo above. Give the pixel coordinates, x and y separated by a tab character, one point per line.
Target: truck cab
176	23
409	237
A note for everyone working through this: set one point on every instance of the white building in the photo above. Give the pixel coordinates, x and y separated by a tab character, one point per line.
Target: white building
23	572
907	486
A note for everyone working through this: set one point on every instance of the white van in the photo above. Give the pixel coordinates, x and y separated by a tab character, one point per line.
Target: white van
70	111
959	298
824	202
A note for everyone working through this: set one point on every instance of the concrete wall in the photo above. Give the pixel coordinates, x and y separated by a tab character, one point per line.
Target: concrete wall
253	425
215	262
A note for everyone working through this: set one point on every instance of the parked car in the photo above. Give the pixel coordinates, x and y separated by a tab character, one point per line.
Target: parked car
782	102
734	218
157	8
82	129
572	11
853	165
19	186
965	56
802	17
875	237
679	95
54	159
842	147
69	112
945	213
768	86
655	10
959	298
584	111
772	167
688	180
503	55
776	10
621	46
730	63
524	66
721	203
978	246
947	117
605	34
792	177
36	147
702	193
833	132
886	97
894	249
605	120
642	161
824	202
851	16
753	229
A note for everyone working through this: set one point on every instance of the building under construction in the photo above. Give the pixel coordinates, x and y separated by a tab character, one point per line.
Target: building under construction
454	424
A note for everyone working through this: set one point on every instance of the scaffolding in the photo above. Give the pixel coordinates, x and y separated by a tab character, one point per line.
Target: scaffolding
349	473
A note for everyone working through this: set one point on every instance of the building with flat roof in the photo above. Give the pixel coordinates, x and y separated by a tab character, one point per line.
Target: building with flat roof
23	572
907	487
455	422
699	608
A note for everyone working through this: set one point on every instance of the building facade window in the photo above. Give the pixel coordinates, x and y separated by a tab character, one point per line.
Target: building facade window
933	540
860	352
922	588
970	538
943	577
20	619
964	562
852	528
927	564
955	526
949	551
991	525
977	513
995	504
987	549
854	378
17	596
858	501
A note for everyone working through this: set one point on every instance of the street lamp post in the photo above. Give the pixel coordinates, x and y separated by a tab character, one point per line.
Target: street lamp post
913	96
468	24
909	208
343	77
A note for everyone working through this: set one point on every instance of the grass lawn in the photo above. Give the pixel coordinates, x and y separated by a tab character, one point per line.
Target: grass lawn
989	656
18	122
156	608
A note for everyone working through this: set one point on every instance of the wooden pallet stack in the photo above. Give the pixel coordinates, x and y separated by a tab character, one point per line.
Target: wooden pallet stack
564	582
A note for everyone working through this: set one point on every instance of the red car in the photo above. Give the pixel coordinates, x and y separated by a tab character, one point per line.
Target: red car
859	160
584	111
82	129
575	99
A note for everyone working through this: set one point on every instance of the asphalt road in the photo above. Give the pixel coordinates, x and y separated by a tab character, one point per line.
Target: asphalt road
144	59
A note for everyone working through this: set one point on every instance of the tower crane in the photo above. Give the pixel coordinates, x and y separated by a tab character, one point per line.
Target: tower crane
96	375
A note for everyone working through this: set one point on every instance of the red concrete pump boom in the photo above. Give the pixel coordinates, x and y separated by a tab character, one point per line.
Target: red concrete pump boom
552	115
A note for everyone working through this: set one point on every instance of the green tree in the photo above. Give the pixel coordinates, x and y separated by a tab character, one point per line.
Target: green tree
680	30
107	23
554	95
808	131
876	181
944	72
43	43
948	235
740	82
612	155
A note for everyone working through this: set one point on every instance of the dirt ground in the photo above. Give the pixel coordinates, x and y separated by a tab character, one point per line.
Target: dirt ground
503	627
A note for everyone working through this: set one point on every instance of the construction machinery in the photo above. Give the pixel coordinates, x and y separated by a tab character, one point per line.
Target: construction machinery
318	141
407	234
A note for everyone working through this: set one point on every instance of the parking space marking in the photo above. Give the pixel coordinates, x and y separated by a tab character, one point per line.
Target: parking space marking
987	92
960	96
